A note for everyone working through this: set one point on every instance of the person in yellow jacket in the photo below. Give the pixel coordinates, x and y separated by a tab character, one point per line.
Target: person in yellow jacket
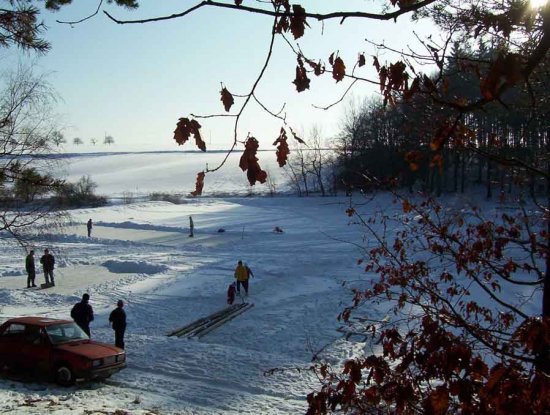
242	275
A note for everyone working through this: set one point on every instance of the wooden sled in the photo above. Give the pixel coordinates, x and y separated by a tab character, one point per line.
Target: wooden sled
46	285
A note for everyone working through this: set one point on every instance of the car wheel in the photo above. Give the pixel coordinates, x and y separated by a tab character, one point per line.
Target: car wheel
64	375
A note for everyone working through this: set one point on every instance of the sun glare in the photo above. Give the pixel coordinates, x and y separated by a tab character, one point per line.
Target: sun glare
537	4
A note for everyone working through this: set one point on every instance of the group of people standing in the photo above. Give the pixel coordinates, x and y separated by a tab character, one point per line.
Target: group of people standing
83	314
48	263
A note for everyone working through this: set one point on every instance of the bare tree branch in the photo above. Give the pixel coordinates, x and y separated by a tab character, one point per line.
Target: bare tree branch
277	13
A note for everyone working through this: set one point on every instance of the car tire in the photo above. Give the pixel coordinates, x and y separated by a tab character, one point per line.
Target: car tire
64	376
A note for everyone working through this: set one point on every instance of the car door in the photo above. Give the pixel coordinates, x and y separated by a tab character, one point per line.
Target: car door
35	349
10	345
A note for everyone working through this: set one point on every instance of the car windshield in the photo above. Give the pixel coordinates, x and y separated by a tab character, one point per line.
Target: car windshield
61	333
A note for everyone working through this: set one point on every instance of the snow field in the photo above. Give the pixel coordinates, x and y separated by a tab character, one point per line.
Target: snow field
142	254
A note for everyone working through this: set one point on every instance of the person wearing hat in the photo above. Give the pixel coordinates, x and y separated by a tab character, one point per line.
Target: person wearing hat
117	318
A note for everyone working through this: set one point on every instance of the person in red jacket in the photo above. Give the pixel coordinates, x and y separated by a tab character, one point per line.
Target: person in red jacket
231	293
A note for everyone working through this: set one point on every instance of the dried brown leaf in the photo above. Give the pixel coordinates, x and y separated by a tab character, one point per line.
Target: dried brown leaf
282	150
249	162
199	184
184	128
338	69
298	21
226	99
301	81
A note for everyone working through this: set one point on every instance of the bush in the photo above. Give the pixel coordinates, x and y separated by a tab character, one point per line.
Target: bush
30	184
80	194
165	197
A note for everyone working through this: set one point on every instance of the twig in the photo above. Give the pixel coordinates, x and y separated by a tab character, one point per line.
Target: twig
85	18
340	100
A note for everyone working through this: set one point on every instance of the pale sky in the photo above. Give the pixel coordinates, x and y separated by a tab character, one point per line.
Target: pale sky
134	82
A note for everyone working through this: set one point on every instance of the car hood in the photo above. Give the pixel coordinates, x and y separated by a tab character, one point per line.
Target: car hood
90	349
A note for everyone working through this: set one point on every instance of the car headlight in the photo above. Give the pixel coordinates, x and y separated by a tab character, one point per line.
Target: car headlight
121	358
97	363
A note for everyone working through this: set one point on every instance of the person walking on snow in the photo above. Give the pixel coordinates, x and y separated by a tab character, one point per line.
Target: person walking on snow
117	318
83	314
48	263
89	227
31	270
242	276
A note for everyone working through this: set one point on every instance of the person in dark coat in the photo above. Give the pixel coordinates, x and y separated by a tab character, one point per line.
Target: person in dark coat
83	314
89	227
191	227
31	270
48	263
117	318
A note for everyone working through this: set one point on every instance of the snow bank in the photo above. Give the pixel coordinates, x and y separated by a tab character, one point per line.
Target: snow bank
133	267
142	226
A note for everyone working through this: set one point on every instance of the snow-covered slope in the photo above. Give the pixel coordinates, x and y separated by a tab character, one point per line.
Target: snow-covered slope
144	173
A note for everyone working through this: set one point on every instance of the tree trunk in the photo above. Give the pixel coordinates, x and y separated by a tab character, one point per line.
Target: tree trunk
456	166
463	173
489	189
543	360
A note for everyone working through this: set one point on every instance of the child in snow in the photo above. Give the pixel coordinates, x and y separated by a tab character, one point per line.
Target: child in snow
231	293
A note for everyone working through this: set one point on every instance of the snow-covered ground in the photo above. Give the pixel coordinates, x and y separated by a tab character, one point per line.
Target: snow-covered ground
142	253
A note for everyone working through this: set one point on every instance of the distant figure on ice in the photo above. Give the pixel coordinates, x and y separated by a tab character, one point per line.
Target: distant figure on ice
83	314
31	270
231	293
89	227
242	275
48	263
191	227
117	318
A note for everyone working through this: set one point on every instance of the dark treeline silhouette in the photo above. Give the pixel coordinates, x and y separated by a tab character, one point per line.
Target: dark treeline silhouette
499	146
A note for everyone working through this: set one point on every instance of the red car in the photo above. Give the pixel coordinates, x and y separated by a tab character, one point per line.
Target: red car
58	348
